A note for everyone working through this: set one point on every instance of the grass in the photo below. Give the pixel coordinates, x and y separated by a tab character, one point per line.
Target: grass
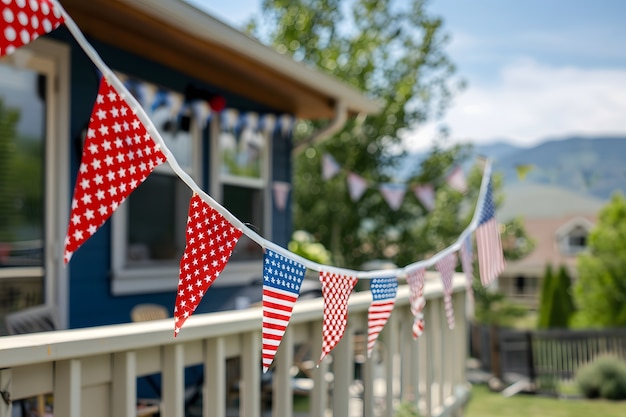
488	404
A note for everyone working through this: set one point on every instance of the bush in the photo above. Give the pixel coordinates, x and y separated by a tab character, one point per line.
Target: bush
605	377
407	409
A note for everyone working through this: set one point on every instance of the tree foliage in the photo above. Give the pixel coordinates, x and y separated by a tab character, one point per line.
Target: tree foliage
556	306
600	291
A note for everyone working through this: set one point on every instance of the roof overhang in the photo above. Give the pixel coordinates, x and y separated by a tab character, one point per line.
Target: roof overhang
178	35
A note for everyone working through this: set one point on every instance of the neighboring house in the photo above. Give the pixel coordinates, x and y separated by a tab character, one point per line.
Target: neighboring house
559	222
168	53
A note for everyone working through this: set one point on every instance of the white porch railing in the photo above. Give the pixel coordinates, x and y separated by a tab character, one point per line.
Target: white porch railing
93	372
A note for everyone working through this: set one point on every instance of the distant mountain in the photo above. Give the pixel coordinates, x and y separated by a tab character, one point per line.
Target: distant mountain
592	166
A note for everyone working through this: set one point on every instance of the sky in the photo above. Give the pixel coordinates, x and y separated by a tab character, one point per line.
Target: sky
536	69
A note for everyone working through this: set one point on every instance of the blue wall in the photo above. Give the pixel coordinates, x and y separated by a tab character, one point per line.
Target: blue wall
91	301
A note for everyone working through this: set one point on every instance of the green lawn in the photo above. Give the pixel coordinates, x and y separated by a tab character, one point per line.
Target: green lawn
487	404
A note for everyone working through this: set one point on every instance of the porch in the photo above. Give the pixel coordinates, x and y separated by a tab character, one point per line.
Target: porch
93	371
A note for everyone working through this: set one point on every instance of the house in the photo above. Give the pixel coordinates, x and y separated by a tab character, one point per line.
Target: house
178	62
559	221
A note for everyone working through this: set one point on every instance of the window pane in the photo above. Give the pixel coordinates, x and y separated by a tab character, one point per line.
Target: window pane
157	215
22	138
247	205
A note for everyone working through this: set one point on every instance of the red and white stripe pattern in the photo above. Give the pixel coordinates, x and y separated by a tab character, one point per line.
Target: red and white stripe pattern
489	245
384	292
23	21
466	263
415	278
118	155
336	290
282	279
446	266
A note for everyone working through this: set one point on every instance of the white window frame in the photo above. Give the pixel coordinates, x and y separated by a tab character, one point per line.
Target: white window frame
52	58
241	272
149	279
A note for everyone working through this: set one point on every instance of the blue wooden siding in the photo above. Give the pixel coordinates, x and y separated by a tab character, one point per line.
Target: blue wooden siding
90	300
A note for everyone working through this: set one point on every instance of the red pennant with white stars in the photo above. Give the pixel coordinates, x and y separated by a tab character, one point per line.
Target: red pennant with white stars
22	21
118	155
211	240
336	289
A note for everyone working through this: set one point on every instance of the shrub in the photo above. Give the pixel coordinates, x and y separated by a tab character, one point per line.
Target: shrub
605	377
407	409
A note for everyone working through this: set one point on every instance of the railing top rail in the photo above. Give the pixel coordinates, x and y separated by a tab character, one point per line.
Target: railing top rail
65	344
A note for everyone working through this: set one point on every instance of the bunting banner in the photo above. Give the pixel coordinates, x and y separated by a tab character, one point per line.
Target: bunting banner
415	279
282	279
425	193
488	243
24	21
466	264
211	240
446	267
356	186
330	167
393	194
336	290
118	155
456	180
281	192
384	292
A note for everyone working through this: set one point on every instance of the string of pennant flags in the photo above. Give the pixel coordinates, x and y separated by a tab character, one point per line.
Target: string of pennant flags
122	147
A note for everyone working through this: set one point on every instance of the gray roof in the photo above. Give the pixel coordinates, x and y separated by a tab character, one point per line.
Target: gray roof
545	201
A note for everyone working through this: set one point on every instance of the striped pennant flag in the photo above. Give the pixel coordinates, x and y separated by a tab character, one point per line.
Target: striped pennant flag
384	292
415	278
282	279
335	289
466	263
446	266
489	246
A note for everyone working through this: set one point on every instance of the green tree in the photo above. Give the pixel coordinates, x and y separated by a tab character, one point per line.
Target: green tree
600	291
8	151
556	306
545	299
395	54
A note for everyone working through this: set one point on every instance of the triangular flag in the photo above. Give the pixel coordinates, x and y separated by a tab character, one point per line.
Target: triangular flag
425	193
21	22
383	299
415	279
456	180
330	167
356	185
211	240
281	191
282	279
393	194
466	263
488	244
446	266
118	155
336	290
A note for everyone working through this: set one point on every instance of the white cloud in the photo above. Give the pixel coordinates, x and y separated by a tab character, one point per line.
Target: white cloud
529	102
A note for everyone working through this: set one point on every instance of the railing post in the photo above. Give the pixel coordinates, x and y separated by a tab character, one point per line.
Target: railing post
282	392
368	385
124	385
214	394
319	396
343	368
6	379
173	386
67	388
250	387
390	333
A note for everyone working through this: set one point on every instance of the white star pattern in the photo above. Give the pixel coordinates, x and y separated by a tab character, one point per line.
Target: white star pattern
199	266
102	180
336	290
24	21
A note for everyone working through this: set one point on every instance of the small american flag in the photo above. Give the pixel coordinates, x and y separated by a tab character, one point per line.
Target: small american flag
211	240
446	266
489	246
282	279
415	278
118	155
383	299
21	22
336	290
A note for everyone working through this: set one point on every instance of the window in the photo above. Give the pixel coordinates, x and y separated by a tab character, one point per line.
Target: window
34	184
240	178
149	228
576	240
